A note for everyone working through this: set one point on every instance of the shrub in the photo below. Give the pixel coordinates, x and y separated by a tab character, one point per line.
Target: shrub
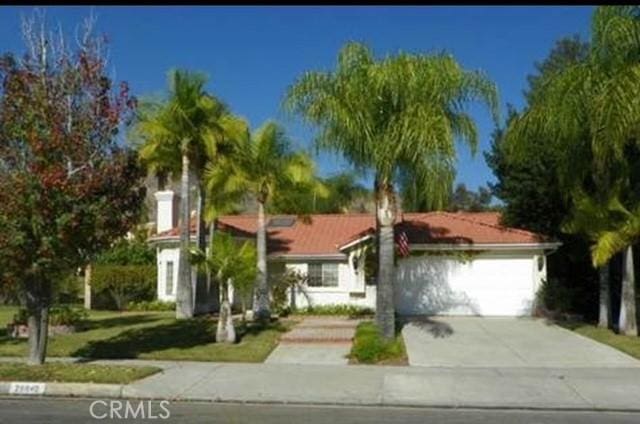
555	297
68	288
128	252
369	347
281	285
58	315
114	286
350	310
20	317
66	315
153	305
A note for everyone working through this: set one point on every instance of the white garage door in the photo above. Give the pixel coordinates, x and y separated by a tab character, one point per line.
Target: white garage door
487	285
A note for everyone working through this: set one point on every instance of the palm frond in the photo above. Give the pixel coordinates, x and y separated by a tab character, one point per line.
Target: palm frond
397	111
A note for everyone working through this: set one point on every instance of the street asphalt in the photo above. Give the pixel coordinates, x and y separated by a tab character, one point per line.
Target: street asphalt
58	411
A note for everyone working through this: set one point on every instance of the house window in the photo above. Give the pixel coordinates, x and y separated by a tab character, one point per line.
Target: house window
168	281
323	275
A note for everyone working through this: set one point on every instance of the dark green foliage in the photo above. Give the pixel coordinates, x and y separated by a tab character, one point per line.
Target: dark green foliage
123	274
555	296
463	199
129	252
151	305
530	187
280	285
567	51
344	195
67	315
352	311
20	317
369	347
114	286
58	315
68	289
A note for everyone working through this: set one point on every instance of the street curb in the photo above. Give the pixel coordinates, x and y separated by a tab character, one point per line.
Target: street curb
68	390
118	391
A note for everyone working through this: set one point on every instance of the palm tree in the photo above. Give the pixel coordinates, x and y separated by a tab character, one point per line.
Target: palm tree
228	261
625	234
344	195
180	136
592	216
266	168
591	109
391	116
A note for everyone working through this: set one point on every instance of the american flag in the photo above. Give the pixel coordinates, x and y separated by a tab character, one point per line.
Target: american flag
403	243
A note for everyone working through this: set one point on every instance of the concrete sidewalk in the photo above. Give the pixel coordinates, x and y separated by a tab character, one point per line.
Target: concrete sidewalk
530	388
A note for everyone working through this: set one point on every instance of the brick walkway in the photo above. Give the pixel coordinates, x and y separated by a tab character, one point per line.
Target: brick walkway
322	330
316	340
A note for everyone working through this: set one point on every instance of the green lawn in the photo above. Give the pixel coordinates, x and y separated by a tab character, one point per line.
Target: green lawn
627	344
74	373
370	348
151	335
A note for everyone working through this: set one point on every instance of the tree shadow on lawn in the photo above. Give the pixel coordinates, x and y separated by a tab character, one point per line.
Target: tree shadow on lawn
120	321
182	334
131	343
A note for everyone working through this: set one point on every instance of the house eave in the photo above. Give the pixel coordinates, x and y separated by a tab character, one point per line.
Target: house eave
355	242
167	239
310	257
172	240
486	246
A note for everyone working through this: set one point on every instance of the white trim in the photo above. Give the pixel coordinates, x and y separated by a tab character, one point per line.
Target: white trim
311	257
355	242
486	246
413	246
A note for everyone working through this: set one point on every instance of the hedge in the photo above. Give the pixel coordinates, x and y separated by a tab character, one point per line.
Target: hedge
114	286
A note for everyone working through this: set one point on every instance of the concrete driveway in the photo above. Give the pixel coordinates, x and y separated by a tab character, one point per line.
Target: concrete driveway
504	342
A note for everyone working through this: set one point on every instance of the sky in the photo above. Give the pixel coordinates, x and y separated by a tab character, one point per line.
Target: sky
252	54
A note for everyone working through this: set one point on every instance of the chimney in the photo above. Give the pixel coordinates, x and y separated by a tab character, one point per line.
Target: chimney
167	216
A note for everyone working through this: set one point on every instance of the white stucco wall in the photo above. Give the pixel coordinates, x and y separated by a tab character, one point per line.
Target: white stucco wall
500	284
351	289
491	284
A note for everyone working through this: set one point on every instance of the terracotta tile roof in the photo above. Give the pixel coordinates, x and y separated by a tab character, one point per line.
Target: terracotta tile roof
325	234
463	227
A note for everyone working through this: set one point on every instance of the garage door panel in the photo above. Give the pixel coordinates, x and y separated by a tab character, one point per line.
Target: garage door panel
485	286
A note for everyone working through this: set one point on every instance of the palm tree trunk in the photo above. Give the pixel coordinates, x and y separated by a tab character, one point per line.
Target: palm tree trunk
213	289
604	318
386	214
627	324
225	332
261	307
201	293
184	292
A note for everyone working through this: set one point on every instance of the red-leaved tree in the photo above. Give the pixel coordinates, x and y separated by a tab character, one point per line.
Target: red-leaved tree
68	184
